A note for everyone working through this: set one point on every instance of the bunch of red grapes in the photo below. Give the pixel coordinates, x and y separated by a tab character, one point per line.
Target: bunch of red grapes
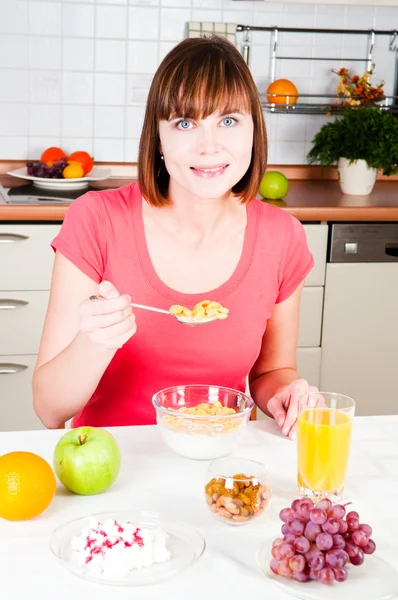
319	541
41	169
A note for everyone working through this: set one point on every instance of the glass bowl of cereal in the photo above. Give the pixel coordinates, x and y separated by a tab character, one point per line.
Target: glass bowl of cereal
237	490
202	422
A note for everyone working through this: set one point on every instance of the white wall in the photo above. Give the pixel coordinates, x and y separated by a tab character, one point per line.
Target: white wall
76	73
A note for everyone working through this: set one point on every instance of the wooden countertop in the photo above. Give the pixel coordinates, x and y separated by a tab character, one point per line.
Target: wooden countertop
308	200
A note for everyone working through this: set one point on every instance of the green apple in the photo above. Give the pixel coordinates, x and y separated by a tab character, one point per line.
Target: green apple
274	185
87	460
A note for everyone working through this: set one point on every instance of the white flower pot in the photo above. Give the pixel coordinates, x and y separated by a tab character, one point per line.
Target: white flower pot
356	178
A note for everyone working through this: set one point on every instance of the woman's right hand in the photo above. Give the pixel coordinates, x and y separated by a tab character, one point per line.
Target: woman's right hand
110	321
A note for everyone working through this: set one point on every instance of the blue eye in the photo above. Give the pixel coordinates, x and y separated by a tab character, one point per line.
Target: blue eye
184	124
228	121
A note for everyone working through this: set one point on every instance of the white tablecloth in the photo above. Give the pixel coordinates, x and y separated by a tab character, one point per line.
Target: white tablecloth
154	478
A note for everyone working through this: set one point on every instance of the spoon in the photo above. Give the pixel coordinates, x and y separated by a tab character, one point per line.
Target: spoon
184	320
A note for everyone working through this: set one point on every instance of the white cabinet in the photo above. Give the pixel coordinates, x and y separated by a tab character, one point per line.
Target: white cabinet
309	342
360	335
26	260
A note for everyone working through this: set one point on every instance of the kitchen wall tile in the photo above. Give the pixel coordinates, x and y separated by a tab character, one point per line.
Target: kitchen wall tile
78	20
14	119
331	20
131	150
73	144
109	122
137	88
13	51
45	52
110	89
173	23
290	153
85	1
143	23
36	144
272	7
240	17
44	119
77	121
120	2
142	57
241	5
14	16
110	55
296	18
260	61
164	48
45	87
292	128
203	15
360	17
145	2
111	22
14	86
77	88
176	3
44	17
13	148
215	4
109	150
314	124
134	121
386	17
77	54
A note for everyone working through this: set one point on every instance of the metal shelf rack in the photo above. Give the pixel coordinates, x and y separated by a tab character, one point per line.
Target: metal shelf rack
318	107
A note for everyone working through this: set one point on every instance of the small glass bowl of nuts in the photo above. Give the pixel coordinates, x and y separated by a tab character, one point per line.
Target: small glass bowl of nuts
237	490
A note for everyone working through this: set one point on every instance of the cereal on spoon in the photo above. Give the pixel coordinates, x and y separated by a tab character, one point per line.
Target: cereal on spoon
203	310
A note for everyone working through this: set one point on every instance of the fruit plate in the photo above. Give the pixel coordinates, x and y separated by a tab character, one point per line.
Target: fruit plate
375	579
184	543
96	174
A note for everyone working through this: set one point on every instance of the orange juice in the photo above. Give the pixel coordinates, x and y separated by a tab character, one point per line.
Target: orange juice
324	437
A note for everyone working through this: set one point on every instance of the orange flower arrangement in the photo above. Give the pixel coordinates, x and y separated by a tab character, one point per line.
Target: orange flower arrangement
357	90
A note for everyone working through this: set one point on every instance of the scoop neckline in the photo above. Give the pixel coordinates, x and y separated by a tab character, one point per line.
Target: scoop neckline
174	296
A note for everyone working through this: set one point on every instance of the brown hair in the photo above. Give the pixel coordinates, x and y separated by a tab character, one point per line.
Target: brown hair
197	78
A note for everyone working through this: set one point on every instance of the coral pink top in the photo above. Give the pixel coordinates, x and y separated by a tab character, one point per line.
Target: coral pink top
103	235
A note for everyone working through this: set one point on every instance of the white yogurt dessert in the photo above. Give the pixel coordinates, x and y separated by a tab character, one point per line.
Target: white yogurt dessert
113	549
201	446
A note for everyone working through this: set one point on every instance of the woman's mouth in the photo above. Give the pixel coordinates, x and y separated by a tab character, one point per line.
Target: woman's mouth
209	172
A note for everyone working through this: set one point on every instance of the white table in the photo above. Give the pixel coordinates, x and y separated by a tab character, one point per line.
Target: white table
154	478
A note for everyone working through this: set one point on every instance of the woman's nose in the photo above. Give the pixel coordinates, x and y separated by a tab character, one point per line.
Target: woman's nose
208	141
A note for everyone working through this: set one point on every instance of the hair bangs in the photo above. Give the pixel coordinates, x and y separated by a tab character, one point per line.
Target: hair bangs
202	89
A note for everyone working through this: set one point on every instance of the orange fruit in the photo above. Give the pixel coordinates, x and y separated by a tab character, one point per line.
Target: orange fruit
74	170
286	90
51	155
27	485
84	159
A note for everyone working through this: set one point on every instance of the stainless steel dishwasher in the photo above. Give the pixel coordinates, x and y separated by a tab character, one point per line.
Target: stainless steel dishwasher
360	318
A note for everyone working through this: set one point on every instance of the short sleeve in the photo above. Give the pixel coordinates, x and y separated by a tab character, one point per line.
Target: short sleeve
298	261
81	238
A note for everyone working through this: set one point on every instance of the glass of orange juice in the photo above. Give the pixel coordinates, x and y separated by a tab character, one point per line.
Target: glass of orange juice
323	443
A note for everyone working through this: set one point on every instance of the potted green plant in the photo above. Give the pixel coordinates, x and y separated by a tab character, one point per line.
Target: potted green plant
361	141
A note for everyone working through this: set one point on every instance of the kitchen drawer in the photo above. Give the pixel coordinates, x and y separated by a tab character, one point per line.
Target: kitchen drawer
317	238
26	258
311	317
308	367
16	399
21	321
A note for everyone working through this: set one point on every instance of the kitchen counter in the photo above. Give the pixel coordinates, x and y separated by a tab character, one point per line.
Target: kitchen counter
154	479
308	200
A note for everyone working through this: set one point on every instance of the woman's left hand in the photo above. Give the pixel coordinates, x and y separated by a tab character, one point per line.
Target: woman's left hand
283	406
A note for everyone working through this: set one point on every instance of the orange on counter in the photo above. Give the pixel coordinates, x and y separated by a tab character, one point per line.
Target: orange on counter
27	485
84	159
286	90
51	155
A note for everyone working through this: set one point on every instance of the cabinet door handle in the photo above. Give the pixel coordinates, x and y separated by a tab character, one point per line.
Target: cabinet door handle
11	304
392	250
9	238
11	368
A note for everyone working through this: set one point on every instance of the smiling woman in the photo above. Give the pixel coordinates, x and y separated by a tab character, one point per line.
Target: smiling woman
198	79
190	231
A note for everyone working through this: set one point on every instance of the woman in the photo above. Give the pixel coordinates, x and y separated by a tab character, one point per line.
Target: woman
189	230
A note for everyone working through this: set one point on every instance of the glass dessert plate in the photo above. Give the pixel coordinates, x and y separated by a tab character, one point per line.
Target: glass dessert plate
184	543
375	579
